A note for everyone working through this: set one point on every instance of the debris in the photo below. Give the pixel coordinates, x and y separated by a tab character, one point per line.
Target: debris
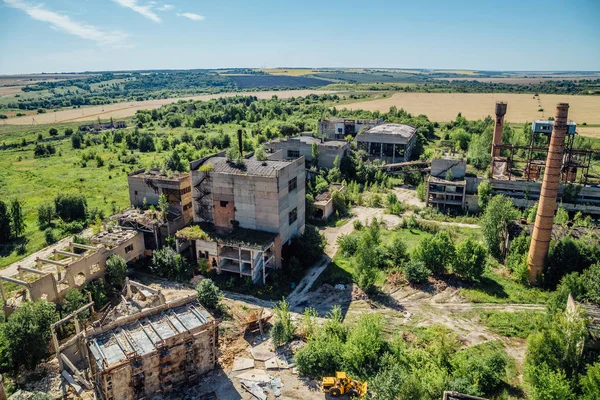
261	353
255	375
278	362
254	389
339	286
271	363
242	363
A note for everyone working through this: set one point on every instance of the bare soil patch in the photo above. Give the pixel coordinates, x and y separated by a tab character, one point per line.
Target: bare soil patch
444	107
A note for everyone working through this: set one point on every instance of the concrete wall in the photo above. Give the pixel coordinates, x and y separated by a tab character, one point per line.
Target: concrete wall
139	189
372	144
440	167
327	153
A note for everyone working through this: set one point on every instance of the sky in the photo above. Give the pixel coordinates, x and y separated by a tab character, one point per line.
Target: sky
101	35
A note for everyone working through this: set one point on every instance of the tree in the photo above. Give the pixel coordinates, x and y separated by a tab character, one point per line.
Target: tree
174	163
484	192
340	204
415	272
4	223
550	384
146	143
495	222
481	369
315	154
45	214
283	329
562	216
470	259
16	216
76	140
591	282
116	271
68	131
397	251
209	294
259	153
163	205
436	253
364	346
70	207
28	333
53	132
590	382
74	300
365	261
166	263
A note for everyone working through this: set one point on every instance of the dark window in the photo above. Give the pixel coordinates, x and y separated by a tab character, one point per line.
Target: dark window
293	215
187	206
185	190
136	192
224	203
340	130
129	249
293	153
292	184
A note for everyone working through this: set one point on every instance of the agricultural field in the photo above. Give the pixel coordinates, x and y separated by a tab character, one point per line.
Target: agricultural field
290	71
443	107
257	81
128	109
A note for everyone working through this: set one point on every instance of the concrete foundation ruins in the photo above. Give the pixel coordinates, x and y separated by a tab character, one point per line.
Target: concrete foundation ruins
297	146
140	355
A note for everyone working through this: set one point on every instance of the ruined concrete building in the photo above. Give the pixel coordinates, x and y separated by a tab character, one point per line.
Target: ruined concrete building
149	185
446	185
247	213
392	143
72	267
298	146
103	126
152	351
339	128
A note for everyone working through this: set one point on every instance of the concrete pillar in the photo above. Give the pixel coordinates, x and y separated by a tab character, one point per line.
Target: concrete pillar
394	153
544	220
240	259
500	113
380	151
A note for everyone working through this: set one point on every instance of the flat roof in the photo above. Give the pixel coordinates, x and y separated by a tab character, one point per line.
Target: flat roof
251	166
113	237
234	237
549	122
403	130
311	139
142	336
155	173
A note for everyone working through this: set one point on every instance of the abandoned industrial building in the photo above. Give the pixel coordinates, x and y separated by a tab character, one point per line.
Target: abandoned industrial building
294	147
246	213
446	185
103	126
392	143
339	128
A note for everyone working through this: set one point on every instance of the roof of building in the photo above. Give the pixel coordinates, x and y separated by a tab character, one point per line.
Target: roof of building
142	336
403	130
326	196
359	121
460	396
549	122
155	173
309	140
251	166
235	237
113	237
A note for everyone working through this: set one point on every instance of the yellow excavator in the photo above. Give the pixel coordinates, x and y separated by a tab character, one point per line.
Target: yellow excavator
341	384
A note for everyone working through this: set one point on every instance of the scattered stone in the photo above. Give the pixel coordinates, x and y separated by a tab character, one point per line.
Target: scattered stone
255	375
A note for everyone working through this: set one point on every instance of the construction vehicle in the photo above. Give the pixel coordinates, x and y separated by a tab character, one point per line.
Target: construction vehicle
342	384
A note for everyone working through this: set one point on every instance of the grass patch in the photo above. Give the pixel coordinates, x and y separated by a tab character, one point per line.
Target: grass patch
513	324
495	288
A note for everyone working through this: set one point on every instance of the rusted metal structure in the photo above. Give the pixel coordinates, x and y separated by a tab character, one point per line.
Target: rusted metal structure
542	231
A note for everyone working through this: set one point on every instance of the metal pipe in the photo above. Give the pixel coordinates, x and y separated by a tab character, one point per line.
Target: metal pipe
542	230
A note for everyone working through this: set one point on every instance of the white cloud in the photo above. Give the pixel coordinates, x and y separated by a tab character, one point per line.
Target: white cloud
146	10
165	7
192	16
62	22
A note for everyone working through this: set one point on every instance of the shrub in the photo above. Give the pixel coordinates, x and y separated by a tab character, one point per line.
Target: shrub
415	272
70	207
50	236
68	132
482	367
348	244
166	263
53	132
364	346
208	294
74	300
470	260
45	214
116	271
590	382
436	253
283	329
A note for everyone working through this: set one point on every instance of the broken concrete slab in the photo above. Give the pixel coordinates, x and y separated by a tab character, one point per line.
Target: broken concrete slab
272	363
254	389
261	354
242	363
255	375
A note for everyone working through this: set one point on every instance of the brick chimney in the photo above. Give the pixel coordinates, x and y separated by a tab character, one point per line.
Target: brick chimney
542	230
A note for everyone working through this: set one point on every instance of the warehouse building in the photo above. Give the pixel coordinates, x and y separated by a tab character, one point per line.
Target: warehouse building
339	128
392	143
298	146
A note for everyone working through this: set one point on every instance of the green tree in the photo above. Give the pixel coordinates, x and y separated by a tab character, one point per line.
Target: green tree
208	294
68	131
17	220
283	329
480	369
415	272
76	140
365	260
436	253
166	263
590	382
495	222
591	282
45	214
259	153
470	259
484	192
53	132
562	216
74	300
70	207
340	203
315	154
116	271
28	333
163	205
364	346
397	251
549	384
4	223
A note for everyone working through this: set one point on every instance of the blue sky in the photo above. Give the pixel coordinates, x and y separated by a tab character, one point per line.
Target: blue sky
93	35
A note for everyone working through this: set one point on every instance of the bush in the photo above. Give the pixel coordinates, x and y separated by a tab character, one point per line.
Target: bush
415	272
470	260
45	214
74	300
283	329
364	346
166	263
482	367
50	236
53	132
348	244
590	382
550	384
209	294
116	271
76	140
68	132
70	207
397	252
436	253
28	333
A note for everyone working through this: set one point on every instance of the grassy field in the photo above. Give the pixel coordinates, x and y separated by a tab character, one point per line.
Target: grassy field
290	72
444	107
128	109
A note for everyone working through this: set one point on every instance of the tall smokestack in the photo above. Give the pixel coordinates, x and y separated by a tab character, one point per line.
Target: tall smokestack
500	113
240	144
542	230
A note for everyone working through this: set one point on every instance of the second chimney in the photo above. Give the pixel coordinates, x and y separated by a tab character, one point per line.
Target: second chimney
499	125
